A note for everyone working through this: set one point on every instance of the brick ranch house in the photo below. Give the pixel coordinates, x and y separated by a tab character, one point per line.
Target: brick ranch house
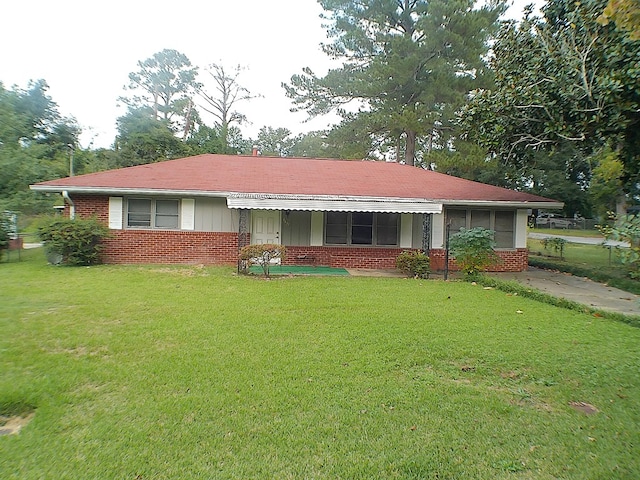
354	214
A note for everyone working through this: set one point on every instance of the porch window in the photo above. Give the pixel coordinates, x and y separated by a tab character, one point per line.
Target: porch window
502	222
149	213
361	228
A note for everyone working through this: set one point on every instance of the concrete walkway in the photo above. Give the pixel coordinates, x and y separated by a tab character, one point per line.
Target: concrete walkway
577	289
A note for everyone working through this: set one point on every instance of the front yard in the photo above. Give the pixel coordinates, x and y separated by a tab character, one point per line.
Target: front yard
191	372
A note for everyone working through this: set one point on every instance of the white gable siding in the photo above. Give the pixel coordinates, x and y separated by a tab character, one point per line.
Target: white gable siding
212	215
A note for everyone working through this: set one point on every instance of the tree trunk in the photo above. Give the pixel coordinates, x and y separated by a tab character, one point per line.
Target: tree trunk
410	151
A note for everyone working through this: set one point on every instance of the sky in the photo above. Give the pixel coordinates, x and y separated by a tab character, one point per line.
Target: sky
86	49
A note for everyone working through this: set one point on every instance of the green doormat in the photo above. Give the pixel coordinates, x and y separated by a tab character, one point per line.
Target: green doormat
298	270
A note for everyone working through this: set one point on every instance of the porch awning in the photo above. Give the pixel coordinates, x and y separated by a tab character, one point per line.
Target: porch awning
257	201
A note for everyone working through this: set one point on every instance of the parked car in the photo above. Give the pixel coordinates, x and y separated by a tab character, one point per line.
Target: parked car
551	220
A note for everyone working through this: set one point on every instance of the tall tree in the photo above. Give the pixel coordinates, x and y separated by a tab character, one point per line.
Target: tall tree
407	64
276	142
143	139
222	101
34	145
561	78
165	83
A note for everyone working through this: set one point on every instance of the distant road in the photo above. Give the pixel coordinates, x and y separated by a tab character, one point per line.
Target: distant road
583	240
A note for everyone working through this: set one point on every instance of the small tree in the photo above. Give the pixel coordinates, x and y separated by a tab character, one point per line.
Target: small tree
557	243
414	264
262	254
626	229
78	241
473	250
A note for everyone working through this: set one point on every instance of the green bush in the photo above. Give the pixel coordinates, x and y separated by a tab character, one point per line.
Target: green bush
473	250
77	242
414	264
262	254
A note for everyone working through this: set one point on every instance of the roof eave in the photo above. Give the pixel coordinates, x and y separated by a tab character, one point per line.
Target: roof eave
550	204
127	191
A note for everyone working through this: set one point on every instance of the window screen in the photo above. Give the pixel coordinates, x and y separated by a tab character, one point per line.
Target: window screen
167	214
336	228
362	228
481	218
387	228
139	213
504	227
457	219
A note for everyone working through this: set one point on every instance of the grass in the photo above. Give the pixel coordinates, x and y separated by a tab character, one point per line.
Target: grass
156	372
593	261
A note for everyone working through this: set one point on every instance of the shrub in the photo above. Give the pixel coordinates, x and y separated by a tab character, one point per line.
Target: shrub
77	242
556	243
626	229
473	250
414	264
262	254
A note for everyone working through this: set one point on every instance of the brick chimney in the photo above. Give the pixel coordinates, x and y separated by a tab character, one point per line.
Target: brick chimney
255	151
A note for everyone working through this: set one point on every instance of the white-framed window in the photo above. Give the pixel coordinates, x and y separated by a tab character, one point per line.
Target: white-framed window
362	228
153	213
502	222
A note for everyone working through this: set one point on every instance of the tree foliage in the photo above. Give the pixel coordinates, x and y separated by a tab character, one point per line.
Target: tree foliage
407	65
165	83
561	78
274	142
143	139
605	187
35	142
625	14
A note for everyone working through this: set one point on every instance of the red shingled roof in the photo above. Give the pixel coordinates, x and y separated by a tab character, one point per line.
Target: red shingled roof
294	176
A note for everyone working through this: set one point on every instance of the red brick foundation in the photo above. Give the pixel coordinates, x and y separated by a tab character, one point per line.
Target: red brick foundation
343	257
170	247
515	260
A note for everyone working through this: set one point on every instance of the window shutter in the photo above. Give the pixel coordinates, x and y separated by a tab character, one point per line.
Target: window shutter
188	214
115	213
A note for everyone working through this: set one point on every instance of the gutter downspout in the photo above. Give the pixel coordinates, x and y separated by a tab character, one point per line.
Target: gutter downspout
72	206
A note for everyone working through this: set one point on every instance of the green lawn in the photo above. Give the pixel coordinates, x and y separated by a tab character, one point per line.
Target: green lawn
594	256
185	373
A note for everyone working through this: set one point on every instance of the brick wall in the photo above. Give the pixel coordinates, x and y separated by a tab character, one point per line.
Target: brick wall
167	246
512	260
343	257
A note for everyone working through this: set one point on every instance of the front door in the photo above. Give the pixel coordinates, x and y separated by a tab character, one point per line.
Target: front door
265	226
